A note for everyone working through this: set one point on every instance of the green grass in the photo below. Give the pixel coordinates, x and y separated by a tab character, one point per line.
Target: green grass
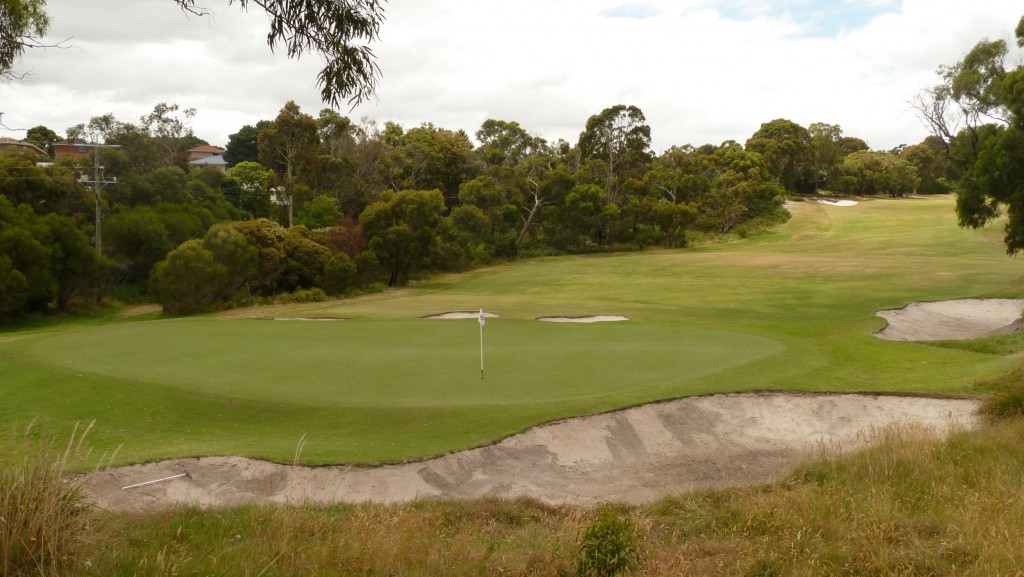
788	309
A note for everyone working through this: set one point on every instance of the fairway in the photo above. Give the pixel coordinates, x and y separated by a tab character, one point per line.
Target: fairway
790	309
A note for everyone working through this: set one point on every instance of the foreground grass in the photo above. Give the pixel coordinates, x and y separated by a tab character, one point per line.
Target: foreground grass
910	505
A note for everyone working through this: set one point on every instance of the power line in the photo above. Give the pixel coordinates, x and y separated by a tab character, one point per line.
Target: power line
97	185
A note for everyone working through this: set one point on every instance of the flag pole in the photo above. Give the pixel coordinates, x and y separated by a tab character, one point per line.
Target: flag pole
481	319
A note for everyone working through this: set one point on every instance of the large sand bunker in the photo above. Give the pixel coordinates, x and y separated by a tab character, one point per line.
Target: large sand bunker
952	320
635	455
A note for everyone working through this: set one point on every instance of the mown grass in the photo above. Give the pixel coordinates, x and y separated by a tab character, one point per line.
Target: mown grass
911	504
789	309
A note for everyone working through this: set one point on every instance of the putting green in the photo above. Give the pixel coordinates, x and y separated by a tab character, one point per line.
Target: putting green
396	363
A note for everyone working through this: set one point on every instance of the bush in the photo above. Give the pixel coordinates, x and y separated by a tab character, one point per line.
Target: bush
608	546
313	295
339	274
190	280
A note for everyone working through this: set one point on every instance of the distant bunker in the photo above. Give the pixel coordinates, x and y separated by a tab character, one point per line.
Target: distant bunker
962	319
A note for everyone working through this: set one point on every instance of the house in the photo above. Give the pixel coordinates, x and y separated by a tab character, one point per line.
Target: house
207	155
7	144
204	151
74	150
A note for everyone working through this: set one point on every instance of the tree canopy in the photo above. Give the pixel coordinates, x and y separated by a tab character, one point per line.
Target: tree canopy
339	31
977	112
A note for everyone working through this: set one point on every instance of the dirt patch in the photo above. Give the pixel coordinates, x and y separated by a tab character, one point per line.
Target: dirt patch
591	319
952	320
635	455
138	310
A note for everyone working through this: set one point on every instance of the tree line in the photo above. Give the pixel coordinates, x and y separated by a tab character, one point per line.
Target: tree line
316	206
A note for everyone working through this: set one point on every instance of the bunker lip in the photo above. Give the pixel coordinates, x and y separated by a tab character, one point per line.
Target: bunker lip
634	455
959	319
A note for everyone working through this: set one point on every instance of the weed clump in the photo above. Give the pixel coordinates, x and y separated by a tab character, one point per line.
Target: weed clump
608	546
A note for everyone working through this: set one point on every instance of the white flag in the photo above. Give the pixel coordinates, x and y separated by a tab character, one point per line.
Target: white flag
481	318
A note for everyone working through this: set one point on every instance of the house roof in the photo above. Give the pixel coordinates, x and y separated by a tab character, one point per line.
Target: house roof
207	148
7	142
215	160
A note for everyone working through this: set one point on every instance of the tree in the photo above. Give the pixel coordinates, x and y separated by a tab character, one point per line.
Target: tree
22	24
402	229
189	280
330	28
429	157
289	139
321	213
338	30
784	145
825	151
978	113
620	138
42	137
253	182
505	143
243	145
929	159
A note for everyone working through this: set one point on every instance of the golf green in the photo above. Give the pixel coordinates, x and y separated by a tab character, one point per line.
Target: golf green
396	363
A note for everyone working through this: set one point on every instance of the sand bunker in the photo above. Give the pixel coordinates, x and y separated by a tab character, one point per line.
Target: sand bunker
591	319
952	320
839	202
462	315
635	455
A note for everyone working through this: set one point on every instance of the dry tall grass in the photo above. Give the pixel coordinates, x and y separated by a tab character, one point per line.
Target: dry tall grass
44	515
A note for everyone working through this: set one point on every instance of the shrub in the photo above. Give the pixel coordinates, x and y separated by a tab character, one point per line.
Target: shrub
608	546
313	295
190	280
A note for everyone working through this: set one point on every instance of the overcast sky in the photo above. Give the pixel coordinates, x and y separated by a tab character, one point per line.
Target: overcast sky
702	71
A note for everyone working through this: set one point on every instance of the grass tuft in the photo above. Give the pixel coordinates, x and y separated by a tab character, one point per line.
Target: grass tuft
44	515
1007	400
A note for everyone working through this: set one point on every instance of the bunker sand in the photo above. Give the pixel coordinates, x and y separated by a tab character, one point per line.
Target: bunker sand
635	455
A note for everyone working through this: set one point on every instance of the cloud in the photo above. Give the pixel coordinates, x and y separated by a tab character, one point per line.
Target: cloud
702	71
632	11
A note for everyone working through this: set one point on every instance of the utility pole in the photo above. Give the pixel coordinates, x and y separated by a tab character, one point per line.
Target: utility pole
97	184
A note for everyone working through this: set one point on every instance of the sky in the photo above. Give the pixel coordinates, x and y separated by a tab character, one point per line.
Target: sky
702	71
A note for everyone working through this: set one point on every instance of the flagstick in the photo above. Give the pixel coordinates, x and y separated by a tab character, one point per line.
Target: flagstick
481	351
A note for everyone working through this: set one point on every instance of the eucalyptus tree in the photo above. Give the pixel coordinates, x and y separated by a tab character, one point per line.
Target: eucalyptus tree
978	111
290	139
825	151
619	138
505	143
23	23
784	145
339	31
